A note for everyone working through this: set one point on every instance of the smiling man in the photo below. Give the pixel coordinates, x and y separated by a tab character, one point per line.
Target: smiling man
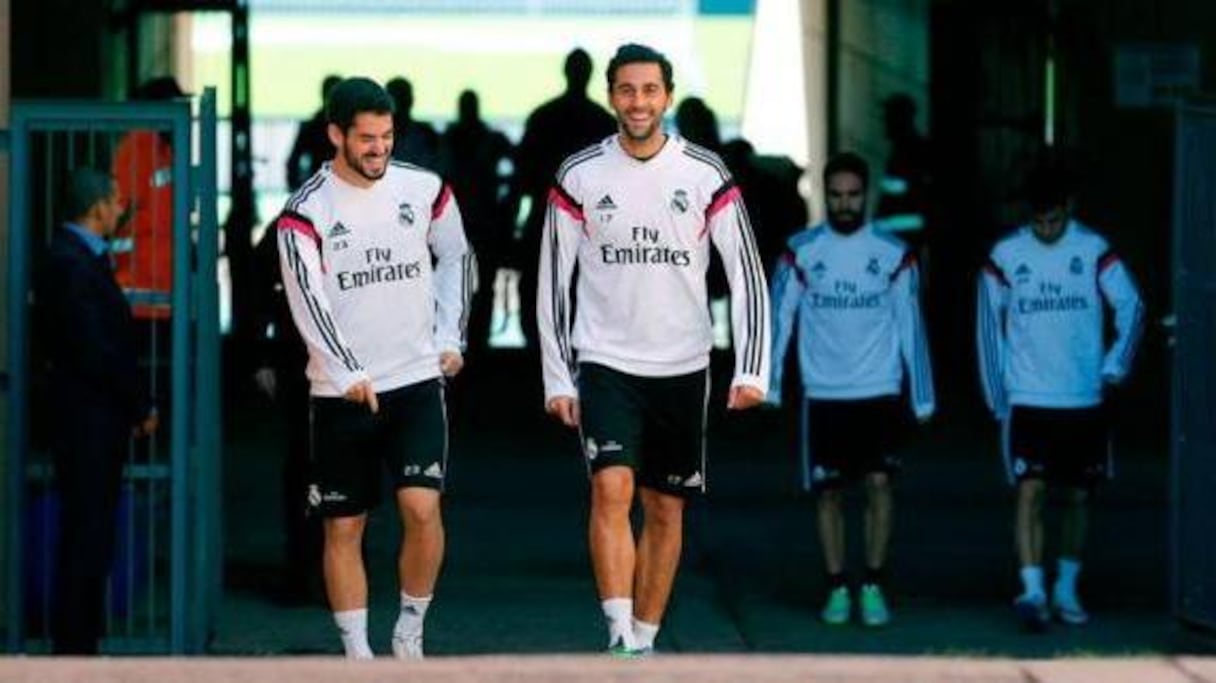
636	213
378	275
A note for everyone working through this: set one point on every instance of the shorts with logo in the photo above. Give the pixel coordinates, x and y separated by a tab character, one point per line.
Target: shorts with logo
1064	446
351	446
843	440
653	425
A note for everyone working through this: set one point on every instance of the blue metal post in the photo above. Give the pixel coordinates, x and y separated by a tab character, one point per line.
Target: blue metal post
18	362
208	562
182	410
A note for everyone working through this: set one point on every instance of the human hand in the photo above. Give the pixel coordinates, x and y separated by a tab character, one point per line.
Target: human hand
742	397
147	426
265	380
450	363
362	392
564	408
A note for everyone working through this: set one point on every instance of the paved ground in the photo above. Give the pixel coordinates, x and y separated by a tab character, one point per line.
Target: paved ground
588	669
517	579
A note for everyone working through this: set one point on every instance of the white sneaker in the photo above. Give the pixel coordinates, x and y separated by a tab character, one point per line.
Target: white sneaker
1068	609
407	645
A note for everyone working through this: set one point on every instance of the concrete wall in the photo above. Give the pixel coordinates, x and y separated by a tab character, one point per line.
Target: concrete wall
884	49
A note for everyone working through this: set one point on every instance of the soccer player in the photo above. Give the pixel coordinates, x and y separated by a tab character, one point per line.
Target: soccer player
851	290
383	326
1045	369
636	213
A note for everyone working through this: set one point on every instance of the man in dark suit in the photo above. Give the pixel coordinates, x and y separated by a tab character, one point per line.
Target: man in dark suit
94	382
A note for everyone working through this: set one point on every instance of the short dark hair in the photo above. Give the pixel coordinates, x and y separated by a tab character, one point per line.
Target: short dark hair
354	96
633	53
1048	186
84	188
847	162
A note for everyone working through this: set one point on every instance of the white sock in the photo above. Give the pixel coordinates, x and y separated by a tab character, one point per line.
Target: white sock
619	613
644	634
352	627
1032	580
1066	581
412	614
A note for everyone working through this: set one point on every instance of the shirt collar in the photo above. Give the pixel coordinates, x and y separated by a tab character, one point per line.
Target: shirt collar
96	244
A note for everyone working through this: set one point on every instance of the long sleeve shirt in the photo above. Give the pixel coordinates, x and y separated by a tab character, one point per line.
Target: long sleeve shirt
854	301
358	274
640	232
1040	320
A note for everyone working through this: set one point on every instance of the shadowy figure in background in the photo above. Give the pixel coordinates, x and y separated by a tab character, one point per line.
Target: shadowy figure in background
902	200
414	142
472	156
555	130
312	146
770	190
88	336
282	357
698	124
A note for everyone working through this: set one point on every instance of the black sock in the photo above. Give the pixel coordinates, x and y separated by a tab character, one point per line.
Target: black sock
874	576
836	581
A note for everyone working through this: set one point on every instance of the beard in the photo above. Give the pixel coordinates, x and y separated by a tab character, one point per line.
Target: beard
845	222
363	165
640	134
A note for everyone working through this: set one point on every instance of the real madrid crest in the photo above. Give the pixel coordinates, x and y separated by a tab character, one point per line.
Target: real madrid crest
405	214
679	201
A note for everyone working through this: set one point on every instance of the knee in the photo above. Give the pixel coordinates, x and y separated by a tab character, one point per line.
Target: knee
1076	497
1030	493
664	511
612	489
878	486
421	513
344	532
829	499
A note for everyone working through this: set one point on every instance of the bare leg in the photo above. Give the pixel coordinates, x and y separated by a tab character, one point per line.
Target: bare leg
1074	522
1029	523
831	530
345	580
658	555
610	536
878	519
422	540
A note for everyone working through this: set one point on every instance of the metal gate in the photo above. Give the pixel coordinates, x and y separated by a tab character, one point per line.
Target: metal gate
1194	382
165	578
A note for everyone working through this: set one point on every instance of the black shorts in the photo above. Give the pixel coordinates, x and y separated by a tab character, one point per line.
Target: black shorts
843	440
1063	446
653	425
350	446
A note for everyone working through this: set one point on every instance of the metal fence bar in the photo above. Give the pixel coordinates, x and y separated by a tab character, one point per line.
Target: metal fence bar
18	417
180	385
208	561
51	130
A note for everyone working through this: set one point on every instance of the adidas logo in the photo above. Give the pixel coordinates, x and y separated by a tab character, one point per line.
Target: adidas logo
434	471
338	230
606	203
695	480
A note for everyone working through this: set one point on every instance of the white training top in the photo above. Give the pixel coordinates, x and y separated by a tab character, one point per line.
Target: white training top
357	269
855	302
1040	320
639	232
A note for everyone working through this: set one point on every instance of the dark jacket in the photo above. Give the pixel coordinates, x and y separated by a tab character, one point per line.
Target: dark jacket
87	332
